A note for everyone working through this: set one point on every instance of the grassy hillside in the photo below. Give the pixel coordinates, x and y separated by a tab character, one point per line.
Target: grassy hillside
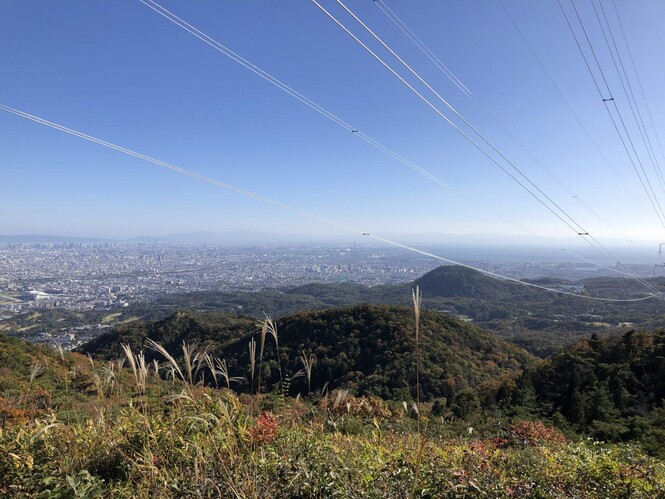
610	388
168	438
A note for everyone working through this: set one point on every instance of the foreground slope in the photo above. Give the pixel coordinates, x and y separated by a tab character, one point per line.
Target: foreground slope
173	439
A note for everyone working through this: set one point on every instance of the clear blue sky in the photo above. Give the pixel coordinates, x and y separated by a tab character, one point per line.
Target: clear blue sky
120	72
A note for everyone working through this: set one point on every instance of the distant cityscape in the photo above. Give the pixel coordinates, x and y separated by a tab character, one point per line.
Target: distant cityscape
80	276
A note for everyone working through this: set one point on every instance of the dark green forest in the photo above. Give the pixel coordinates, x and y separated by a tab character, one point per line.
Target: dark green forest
369	349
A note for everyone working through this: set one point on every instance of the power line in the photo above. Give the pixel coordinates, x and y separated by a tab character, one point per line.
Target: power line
654	202
634	107
450	75
457	128
639	81
404	28
579	230
444	101
390	14
317	107
279	204
569	105
611	99
339	121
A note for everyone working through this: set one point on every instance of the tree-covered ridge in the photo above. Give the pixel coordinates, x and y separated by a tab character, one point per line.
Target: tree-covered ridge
368	349
453	280
612	388
207	330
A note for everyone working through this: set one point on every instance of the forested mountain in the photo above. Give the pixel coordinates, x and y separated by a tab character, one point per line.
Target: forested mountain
369	349
456	281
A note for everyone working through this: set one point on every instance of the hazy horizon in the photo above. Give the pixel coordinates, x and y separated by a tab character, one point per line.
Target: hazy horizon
476	247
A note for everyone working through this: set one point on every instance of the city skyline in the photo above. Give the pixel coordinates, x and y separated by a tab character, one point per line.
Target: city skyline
122	73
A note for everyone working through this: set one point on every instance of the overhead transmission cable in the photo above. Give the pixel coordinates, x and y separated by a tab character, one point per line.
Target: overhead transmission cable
284	206
221	48
394	18
404	28
639	81
580	231
170	16
569	106
630	95
608	98
445	102
331	116
457	128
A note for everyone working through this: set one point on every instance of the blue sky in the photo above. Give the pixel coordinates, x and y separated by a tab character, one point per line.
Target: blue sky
120	72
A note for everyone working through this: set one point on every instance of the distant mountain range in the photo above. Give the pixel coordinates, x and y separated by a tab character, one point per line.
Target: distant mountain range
194	238
480	242
46	239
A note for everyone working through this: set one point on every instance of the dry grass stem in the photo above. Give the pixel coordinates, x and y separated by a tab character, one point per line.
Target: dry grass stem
308	362
417	296
36	370
153	345
252	363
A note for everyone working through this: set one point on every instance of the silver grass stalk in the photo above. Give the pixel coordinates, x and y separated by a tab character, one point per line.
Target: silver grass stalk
308	362
130	358
417	296
272	329
252	362
211	365
200	361
36	370
223	369
153	345
60	350
143	371
188	352
264	332
139	368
